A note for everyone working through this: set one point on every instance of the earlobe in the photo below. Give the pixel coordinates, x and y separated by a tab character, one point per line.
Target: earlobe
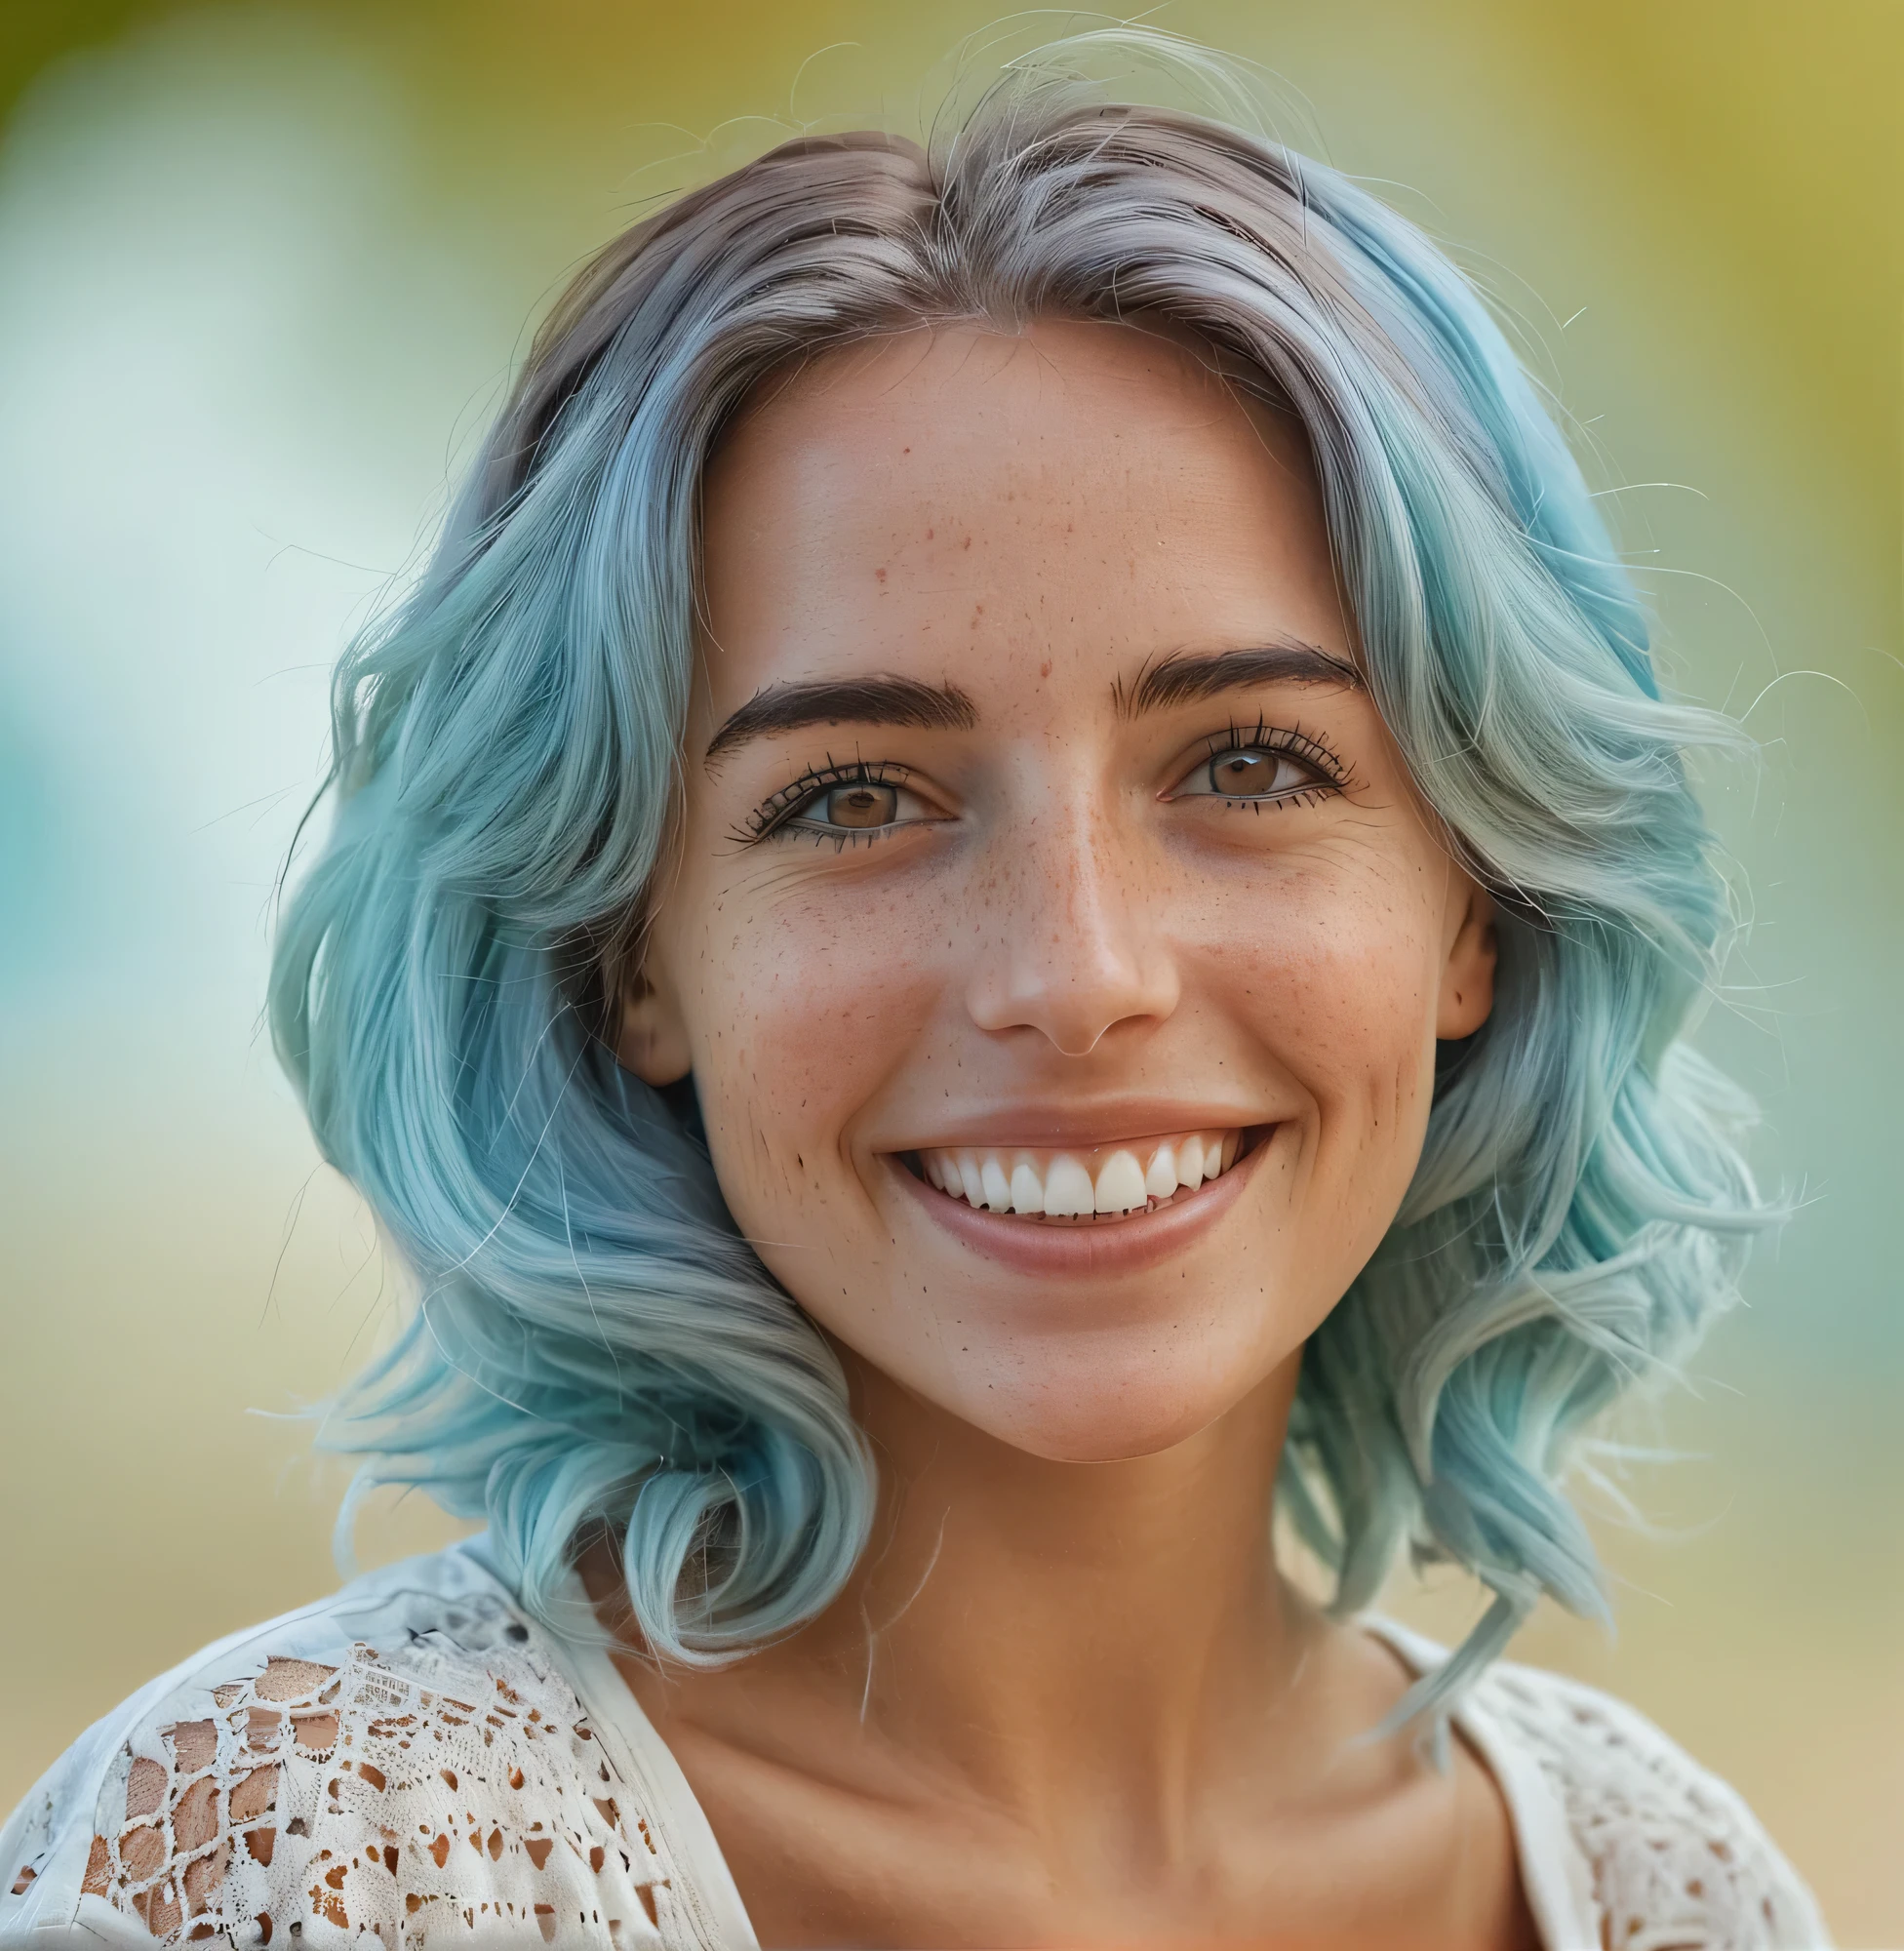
1467	998
651	1039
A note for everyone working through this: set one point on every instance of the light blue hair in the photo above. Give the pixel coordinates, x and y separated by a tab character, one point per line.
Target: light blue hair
594	1344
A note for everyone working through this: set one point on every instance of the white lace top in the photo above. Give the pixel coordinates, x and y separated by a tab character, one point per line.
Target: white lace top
414	1761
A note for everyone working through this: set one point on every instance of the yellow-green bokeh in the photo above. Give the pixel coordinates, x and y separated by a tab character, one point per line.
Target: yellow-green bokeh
262	272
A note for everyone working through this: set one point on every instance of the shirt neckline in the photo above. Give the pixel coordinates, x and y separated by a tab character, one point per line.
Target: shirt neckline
1556	1877
1553	1875
706	1893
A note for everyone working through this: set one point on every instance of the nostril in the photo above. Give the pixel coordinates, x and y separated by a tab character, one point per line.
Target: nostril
1072	999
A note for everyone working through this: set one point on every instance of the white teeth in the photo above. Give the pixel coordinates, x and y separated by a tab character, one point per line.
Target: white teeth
1068	1190
1061	1185
1160	1181
975	1186
1121	1185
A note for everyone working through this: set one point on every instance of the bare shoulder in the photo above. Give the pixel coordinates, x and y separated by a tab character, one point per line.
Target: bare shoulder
404	1759
1674	1854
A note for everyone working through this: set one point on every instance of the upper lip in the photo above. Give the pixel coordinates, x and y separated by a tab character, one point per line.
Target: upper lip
1084	1126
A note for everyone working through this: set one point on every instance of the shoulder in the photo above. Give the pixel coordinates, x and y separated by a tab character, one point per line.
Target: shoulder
1673	1853
404	1754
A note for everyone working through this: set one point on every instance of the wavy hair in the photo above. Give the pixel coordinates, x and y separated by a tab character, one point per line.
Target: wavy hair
594	1343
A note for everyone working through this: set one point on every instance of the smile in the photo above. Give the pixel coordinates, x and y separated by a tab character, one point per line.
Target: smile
1081	1185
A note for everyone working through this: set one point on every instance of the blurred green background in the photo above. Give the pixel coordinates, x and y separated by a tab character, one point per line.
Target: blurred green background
263	270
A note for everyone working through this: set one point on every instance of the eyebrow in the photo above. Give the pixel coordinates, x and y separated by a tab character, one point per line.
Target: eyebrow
1177	679
1183	677
852	701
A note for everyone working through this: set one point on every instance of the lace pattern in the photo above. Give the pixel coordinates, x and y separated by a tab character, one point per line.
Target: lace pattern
409	1765
1677	1861
429	1798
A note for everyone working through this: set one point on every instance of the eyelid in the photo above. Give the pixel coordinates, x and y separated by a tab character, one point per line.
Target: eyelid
1288	742
781	804
781	807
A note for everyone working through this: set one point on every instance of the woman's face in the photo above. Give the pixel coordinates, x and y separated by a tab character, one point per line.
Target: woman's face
1055	938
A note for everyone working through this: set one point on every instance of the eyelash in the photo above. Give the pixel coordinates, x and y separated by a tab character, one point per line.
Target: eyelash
779	808
1293	741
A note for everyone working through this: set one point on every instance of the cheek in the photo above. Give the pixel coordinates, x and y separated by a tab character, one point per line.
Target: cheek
795	1019
1340	986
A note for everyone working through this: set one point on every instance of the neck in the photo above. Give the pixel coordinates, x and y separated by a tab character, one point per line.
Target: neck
1028	1625
1092	1668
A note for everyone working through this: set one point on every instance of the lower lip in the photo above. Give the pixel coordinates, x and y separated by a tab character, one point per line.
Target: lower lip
1105	1245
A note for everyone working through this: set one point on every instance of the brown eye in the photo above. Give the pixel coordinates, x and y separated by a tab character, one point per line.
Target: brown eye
859	806
1248	772
1261	775
849	809
1243	774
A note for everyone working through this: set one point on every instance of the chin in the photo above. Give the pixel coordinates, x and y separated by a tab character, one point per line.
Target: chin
1098	1406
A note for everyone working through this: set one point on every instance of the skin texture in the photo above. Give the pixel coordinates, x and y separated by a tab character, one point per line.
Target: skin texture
1067	1698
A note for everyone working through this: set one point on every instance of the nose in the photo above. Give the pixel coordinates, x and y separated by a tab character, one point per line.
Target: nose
1070	951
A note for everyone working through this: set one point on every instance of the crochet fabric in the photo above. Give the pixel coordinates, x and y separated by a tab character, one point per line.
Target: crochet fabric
406	1766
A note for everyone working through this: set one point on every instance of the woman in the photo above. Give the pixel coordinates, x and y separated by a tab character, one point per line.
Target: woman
1016	894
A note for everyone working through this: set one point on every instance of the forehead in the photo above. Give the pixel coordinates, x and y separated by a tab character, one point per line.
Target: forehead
926	500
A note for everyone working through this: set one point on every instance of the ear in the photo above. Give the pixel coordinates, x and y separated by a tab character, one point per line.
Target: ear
650	1036
1467	997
